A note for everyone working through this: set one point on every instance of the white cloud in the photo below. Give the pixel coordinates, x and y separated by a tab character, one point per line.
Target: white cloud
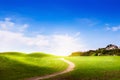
55	44
23	28
65	44
115	28
58	44
8	25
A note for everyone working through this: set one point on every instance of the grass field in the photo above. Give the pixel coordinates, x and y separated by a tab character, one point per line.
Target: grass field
17	66
93	68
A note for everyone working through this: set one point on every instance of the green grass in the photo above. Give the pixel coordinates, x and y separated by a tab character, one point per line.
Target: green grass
93	68
17	66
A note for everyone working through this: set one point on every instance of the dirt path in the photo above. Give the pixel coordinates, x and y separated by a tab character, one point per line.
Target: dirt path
70	68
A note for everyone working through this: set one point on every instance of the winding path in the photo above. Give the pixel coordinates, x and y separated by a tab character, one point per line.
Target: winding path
70	68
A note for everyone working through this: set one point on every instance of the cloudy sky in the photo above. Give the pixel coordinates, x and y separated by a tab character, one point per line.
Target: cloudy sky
58	26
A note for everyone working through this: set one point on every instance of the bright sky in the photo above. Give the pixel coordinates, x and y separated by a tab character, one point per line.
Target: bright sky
58	26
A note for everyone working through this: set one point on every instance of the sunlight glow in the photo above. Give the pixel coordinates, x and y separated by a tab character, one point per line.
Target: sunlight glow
14	39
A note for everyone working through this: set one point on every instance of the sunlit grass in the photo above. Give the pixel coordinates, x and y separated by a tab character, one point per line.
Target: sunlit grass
14	66
93	68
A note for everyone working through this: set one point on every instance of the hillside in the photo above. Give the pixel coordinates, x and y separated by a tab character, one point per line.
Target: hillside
15	65
109	50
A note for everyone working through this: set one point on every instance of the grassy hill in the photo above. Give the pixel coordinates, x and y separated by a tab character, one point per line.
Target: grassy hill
93	68
16	65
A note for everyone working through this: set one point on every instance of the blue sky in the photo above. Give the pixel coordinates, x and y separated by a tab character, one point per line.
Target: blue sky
88	23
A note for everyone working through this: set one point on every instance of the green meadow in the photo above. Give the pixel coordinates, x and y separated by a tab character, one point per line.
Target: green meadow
17	66
93	68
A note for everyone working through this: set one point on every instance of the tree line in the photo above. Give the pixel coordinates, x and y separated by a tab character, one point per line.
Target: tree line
98	52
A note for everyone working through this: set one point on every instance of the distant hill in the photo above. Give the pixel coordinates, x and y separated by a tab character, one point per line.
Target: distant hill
40	54
111	46
34	54
109	50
